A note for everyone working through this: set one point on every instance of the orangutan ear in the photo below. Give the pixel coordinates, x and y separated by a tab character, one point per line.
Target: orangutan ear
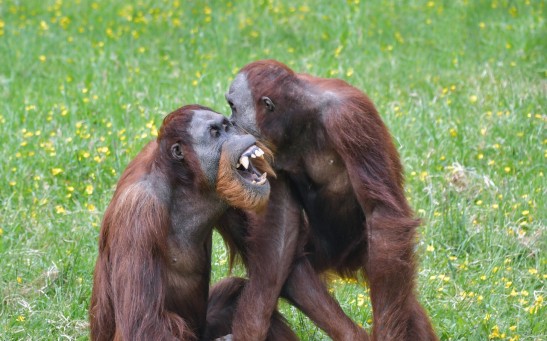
176	152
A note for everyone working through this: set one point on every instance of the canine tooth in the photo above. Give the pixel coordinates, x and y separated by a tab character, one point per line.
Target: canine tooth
253	155
244	161
238	164
259	152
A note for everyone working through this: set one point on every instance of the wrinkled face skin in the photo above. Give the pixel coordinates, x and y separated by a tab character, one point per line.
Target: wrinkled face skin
240	100
231	161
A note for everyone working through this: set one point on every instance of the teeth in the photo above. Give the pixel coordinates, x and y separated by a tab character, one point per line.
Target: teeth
244	160
262	179
252	152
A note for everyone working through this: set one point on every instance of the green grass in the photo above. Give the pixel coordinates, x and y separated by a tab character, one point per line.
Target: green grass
461	84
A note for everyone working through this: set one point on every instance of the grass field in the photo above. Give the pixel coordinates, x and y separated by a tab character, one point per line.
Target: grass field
462	85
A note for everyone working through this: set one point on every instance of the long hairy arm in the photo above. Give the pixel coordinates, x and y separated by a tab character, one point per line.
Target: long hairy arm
375	172
136	225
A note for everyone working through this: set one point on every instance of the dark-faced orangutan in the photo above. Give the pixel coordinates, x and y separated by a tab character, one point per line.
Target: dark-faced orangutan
151	279
338	161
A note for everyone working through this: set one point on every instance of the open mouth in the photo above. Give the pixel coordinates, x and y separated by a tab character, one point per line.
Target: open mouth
245	166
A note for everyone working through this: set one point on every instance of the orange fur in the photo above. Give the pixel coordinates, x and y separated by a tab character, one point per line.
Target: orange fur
230	188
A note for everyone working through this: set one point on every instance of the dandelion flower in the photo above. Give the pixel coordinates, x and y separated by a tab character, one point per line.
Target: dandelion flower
56	171
89	189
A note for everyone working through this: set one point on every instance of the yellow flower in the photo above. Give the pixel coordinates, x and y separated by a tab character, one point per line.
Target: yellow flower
103	150
42	58
473	98
338	51
64	22
60	209
21	318
495	334
89	189
430	248
56	171
91	207
360	300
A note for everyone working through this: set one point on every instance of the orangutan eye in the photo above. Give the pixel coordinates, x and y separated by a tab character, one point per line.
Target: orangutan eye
232	106
214	131
269	103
